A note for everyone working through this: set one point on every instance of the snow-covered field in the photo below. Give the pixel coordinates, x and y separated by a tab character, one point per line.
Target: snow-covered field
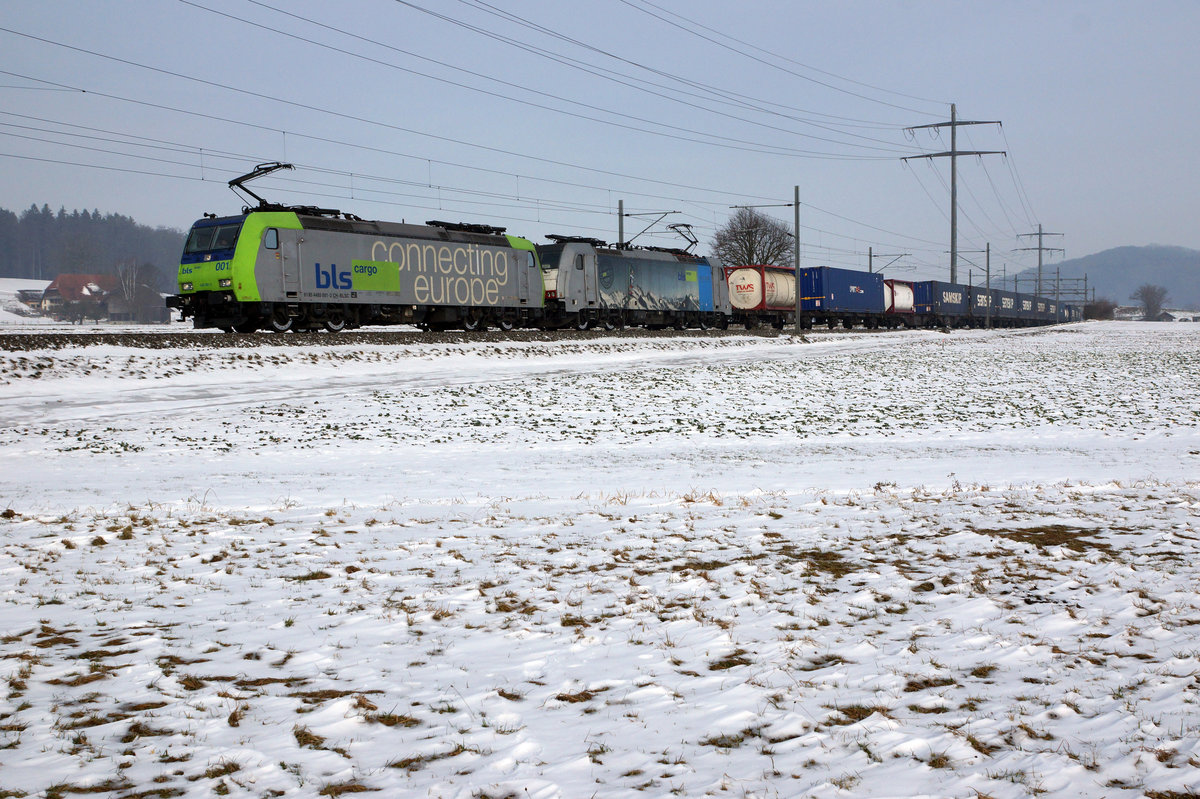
908	564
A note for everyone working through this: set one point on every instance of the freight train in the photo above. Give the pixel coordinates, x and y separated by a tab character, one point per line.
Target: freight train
286	268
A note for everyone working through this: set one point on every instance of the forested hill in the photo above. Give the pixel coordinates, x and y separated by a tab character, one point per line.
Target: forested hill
1117	273
39	243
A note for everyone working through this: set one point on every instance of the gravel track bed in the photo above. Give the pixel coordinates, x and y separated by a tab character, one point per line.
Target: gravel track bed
153	339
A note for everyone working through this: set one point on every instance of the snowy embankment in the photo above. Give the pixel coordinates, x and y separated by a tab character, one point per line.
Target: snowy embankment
873	565
13	312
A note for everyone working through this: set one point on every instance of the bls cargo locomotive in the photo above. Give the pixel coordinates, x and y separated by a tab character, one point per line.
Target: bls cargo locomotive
287	268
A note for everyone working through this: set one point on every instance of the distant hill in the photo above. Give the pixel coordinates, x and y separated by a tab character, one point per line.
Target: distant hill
1117	273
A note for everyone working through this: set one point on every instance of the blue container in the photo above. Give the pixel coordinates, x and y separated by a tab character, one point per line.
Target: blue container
982	302
1041	310
940	299
1006	305
827	289
1025	305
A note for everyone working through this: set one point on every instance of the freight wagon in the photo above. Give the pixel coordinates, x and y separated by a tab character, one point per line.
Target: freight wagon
761	294
898	303
939	304
832	295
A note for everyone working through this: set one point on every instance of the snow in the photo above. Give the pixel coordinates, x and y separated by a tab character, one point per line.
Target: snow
12	310
9	286
907	564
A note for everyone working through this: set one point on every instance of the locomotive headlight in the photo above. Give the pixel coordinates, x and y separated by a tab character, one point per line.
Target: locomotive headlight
225	282
185	286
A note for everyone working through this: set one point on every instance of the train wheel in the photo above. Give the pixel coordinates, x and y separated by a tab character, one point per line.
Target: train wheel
848	323
609	323
474	322
506	323
582	323
281	322
335	323
832	323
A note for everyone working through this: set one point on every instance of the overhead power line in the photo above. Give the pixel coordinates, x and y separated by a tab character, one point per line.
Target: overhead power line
681	133
339	142
747	53
737	97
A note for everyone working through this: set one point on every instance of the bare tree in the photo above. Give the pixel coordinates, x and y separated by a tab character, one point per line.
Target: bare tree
129	275
1151	298
1102	308
752	237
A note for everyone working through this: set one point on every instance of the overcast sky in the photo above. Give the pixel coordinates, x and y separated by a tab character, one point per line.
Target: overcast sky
540	115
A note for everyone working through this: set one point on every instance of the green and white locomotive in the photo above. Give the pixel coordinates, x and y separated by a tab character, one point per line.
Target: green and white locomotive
300	268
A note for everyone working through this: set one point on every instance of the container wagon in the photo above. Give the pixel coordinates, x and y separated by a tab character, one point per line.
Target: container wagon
939	304
843	296
898	303
761	294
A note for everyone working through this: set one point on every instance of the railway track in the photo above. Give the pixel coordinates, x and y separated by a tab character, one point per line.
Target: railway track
170	339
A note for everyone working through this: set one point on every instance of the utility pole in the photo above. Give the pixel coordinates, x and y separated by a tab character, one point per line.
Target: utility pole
871	256
953	153
660	216
1057	295
796	262
988	286
1040	249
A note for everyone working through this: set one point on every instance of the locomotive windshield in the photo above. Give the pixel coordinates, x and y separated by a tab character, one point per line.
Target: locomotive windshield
211	238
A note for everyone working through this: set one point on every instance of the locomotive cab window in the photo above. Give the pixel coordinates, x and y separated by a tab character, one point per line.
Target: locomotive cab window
226	237
215	237
271	239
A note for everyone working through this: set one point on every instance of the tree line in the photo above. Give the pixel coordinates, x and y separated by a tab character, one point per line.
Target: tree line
41	244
